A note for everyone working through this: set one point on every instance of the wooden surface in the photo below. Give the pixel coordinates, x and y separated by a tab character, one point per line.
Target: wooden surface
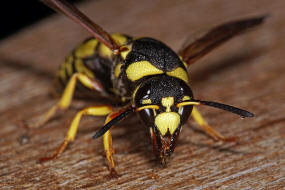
247	72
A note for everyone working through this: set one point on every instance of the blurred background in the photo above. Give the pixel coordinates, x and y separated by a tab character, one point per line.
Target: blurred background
21	14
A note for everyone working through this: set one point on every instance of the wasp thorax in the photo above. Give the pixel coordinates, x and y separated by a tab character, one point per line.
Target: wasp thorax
157	100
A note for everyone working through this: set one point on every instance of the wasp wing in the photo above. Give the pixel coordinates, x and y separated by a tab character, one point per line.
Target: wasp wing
76	15
215	37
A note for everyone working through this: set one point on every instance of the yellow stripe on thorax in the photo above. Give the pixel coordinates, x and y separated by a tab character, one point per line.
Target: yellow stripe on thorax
126	50
180	73
139	69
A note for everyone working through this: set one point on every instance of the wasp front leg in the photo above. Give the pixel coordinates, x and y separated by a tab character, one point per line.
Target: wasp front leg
107	141
70	136
207	128
109	151
67	95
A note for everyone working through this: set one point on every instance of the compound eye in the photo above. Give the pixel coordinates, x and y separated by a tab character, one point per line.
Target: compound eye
184	112
147	116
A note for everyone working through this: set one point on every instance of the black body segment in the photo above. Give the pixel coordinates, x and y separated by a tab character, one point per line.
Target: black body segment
158	87
155	52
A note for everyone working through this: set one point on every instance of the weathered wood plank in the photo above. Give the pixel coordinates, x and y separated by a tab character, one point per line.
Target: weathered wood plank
247	72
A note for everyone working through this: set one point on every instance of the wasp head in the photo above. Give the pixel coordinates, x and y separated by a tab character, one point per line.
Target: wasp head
156	101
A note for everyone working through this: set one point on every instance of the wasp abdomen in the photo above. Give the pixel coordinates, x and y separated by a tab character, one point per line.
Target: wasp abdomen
93	59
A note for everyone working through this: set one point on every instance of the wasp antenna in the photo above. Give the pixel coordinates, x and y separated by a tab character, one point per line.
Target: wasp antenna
156	107
106	127
238	111
76	15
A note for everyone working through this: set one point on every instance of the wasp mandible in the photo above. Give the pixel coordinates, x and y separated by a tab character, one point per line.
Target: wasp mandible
144	74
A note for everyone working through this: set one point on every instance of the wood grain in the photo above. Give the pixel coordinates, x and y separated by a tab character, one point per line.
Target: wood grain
247	72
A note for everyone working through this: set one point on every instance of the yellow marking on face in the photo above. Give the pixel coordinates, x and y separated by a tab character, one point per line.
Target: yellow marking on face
179	73
118	70
187	104
105	51
146	101
167	121
126	52
134	94
87	49
167	102
185	98
68	65
140	69
80	67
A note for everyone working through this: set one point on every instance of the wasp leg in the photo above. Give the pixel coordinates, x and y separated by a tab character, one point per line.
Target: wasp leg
207	128
92	111
109	151
67	95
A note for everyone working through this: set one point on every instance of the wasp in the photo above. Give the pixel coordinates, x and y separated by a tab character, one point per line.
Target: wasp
144	75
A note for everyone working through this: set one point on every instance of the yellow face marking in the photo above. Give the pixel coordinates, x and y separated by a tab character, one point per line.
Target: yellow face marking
185	98
118	70
86	49
134	95
80	67
167	102
140	69
167	121
179	73
146	101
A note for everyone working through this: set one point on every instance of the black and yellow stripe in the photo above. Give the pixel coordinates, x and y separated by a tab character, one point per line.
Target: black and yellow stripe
93	59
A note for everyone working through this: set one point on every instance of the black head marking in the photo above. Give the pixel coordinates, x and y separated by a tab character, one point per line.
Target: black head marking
158	87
